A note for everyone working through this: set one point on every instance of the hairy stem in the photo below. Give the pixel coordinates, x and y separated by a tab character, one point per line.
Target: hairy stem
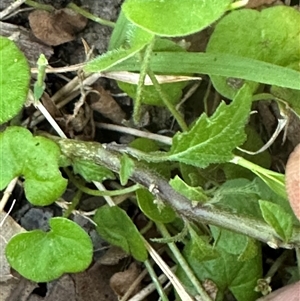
161	189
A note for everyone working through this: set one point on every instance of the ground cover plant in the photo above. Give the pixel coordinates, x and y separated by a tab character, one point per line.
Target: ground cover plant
210	190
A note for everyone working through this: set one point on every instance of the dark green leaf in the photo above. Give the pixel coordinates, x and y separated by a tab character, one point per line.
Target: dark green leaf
155	210
91	171
126	169
114	225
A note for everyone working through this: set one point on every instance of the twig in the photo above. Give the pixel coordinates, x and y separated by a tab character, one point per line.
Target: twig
247	225
11	8
7	193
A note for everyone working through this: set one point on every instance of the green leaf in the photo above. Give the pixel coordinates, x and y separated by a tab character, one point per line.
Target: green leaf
45	256
114	225
137	39
227	272
157	212
35	158
174	18
199	248
192	193
91	171
213	139
259	35
126	170
234	243
277	218
14	79
234	66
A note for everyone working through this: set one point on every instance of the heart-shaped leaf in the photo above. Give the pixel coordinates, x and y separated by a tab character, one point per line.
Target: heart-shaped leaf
35	158
45	256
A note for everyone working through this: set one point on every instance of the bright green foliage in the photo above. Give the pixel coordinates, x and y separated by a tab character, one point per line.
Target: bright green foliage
114	225
259	35
174	18
153	209
14	79
276	217
192	193
126	169
36	159
213	139
91	171
44	256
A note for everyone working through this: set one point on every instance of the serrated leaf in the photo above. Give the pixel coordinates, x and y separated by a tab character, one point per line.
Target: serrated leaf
137	40
35	158
259	35
14	79
126	170
45	256
277	218
91	171
156	212
114	225
192	193
173	17
213	139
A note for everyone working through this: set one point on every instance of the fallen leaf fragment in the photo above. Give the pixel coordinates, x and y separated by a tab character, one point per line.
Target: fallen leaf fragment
121	281
257	3
57	27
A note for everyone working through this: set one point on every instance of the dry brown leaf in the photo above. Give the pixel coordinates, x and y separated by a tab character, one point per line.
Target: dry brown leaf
102	102
57	27
121	281
113	256
23	38
7	230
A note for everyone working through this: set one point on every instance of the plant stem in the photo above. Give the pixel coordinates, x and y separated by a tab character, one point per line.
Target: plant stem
40	6
101	193
249	226
90	16
182	262
167	102
140	86
155	280
74	203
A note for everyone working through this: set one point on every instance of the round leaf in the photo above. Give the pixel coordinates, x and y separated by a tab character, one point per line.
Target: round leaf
44	256
35	158
174	18
14	79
